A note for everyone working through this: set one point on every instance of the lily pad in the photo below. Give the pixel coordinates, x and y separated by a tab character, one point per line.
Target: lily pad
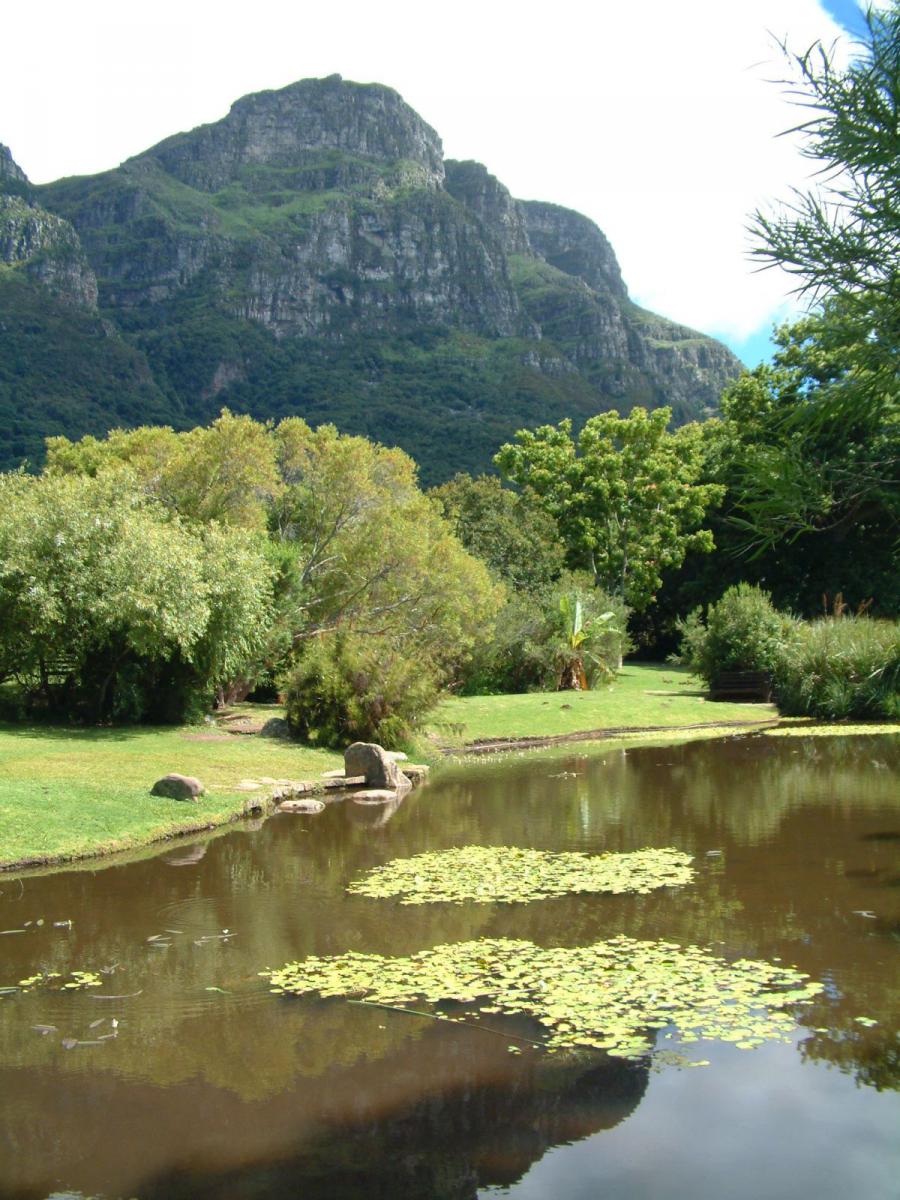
505	874
75	982
607	995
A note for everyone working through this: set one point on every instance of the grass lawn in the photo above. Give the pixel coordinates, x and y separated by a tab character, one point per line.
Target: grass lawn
65	793
643	695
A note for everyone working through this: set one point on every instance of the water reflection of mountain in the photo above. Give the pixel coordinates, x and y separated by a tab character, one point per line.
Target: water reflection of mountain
469	1130
457	1114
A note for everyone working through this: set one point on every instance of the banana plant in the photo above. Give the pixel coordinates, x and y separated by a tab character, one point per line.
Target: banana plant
579	636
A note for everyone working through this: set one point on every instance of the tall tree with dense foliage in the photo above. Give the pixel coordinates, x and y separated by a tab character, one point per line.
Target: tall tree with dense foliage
510	531
370	588
225	472
113	607
838	404
626	494
363	547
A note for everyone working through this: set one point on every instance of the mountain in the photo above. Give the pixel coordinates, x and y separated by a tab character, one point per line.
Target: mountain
314	253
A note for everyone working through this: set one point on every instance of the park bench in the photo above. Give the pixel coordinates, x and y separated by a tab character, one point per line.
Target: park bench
741	685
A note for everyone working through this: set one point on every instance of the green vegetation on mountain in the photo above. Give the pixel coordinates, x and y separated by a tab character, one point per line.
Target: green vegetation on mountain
313	254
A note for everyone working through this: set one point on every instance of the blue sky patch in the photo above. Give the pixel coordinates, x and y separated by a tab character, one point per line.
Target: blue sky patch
848	14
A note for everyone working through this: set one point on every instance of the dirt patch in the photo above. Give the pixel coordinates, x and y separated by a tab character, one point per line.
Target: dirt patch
495	745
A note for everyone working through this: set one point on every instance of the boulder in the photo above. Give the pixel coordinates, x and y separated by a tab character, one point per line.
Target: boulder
376	796
178	787
310	807
275	727
373	763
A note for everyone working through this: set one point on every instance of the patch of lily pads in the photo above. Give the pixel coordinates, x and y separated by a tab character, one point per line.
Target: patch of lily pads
508	875
848	729
610	996
77	981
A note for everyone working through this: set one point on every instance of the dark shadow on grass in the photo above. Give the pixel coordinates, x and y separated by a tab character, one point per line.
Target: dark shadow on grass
118	733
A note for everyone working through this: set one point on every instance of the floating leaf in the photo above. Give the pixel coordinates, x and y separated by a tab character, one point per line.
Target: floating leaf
607	995
492	874
75	982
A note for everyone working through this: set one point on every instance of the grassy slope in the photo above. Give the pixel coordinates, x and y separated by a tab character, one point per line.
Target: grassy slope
644	695
66	793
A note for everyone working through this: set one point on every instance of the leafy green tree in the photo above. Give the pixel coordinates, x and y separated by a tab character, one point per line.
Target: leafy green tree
792	474
837	455
352	543
110	606
364	547
225	472
626	495
509	531
842	237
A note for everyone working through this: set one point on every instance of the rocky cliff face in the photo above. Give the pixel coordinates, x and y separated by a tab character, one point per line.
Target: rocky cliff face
481	194
312	252
12	177
43	246
311	136
574	245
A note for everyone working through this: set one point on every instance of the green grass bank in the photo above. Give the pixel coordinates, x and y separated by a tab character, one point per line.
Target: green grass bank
72	793
644	696
69	793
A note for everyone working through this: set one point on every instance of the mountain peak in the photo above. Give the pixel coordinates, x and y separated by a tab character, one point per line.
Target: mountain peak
12	178
294	127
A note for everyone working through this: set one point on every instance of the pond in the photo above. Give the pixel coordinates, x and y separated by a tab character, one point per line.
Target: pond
182	1076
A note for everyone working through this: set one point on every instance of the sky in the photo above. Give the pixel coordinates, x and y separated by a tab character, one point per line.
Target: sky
660	121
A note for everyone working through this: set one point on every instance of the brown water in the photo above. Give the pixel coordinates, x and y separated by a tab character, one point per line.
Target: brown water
240	1094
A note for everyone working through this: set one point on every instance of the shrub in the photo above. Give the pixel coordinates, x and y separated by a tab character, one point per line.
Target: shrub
532	642
347	688
113	608
839	668
742	632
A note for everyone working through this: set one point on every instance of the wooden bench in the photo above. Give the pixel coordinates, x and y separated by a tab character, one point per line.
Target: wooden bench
741	685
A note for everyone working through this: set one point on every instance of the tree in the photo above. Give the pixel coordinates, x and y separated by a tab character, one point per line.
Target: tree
837	450
110	606
626	495
339	523
843	237
509	531
364	547
225	472
793	472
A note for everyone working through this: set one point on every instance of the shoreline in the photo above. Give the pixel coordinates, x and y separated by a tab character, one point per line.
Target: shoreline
487	746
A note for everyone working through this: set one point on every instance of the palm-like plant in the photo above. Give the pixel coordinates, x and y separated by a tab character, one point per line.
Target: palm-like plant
582	651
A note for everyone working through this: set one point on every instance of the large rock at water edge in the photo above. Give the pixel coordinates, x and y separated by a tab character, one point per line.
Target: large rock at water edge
178	787
373	763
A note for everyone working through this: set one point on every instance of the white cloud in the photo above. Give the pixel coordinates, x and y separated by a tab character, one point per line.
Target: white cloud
655	120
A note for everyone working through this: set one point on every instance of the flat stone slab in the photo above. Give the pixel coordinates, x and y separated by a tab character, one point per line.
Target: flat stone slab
375	796
290	789
309	806
340	780
397	755
415	772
